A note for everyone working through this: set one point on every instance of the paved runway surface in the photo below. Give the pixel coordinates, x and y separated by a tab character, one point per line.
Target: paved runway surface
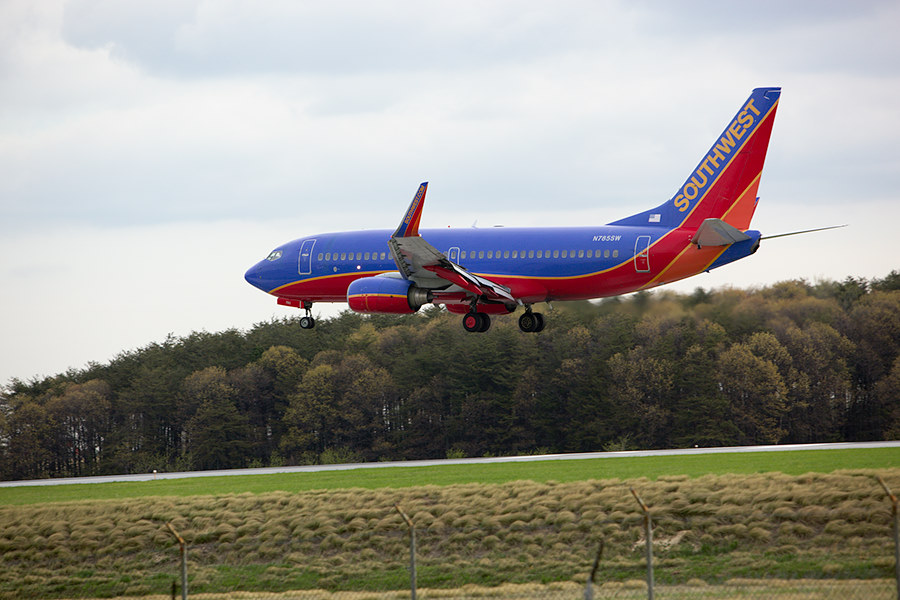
428	463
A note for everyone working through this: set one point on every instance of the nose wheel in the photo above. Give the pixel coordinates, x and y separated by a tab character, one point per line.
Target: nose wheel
307	321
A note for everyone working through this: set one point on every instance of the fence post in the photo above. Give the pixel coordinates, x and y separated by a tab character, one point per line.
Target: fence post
183	546
589	589
648	537
893	499
412	551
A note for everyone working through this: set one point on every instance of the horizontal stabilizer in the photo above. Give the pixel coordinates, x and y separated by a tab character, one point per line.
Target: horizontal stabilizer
716	232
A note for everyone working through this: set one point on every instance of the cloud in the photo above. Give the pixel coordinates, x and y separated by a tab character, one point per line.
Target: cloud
82	294
238	37
177	128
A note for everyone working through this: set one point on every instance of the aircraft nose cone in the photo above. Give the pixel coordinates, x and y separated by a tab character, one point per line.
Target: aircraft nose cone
254	276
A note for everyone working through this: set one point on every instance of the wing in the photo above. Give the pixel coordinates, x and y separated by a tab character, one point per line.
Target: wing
426	265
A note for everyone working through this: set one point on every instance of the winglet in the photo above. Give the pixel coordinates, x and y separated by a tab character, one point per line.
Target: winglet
409	226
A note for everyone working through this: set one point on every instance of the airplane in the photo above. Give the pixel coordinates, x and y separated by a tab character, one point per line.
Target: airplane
481	272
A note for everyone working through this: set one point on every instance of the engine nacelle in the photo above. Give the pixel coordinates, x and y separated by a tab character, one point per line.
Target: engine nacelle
386	295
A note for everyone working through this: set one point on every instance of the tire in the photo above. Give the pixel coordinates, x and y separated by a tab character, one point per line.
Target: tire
307	322
528	322
472	322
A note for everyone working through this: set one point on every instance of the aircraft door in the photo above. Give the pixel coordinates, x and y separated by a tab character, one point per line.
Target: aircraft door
642	254
453	255
305	265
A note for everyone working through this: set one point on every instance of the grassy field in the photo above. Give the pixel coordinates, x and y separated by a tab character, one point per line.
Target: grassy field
530	523
651	467
802	589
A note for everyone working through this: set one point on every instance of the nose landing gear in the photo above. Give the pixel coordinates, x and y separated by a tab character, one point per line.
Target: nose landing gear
307	322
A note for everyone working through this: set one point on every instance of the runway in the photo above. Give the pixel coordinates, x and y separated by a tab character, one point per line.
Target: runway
459	461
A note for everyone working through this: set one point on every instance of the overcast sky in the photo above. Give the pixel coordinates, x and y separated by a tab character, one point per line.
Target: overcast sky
150	152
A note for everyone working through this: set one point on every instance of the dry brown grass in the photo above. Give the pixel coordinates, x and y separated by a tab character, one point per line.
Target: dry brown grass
725	522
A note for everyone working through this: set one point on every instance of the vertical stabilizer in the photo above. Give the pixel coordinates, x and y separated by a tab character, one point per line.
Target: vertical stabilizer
725	182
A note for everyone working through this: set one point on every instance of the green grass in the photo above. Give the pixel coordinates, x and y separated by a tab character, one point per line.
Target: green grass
717	517
652	467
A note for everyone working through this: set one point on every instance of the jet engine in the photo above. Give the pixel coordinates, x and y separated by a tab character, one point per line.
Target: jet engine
380	294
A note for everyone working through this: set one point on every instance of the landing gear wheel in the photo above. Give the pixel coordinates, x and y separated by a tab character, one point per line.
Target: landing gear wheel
527	322
307	322
531	322
476	322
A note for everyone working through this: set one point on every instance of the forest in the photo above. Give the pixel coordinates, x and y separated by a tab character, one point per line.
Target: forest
794	362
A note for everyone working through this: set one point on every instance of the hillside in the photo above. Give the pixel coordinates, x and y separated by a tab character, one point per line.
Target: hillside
790	363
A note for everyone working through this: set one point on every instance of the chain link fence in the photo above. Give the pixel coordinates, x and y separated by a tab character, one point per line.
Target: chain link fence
816	536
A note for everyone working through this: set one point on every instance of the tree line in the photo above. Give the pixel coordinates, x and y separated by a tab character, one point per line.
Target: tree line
794	362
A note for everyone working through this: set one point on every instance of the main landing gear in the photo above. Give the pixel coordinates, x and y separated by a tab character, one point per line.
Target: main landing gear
476	321
307	322
531	322
479	322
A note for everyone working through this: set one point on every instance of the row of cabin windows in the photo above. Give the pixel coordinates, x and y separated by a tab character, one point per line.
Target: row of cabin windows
539	254
331	257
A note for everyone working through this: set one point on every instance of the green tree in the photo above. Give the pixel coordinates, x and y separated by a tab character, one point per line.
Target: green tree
147	429
888	391
27	436
755	393
81	418
310	415
818	401
215	433
643	393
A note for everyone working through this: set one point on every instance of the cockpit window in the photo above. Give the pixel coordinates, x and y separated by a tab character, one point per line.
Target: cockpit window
275	255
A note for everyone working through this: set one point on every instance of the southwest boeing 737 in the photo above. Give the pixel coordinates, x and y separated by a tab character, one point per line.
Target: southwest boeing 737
482	272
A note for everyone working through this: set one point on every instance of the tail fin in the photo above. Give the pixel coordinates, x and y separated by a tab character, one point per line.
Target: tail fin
725	183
